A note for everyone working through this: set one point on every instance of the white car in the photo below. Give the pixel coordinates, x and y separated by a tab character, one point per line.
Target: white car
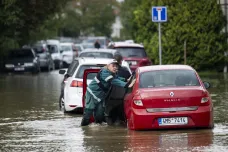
79	47
69	53
56	52
72	93
102	53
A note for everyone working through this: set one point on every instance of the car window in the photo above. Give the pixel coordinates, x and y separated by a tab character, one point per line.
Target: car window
21	53
82	68
165	78
38	49
73	66
131	52
97	55
79	48
52	48
66	48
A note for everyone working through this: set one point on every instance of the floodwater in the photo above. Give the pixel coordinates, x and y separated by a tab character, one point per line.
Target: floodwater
30	121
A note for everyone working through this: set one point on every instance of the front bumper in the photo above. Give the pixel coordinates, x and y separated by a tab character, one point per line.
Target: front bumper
21	68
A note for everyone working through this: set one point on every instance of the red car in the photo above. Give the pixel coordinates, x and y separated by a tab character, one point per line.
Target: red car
133	53
164	97
168	96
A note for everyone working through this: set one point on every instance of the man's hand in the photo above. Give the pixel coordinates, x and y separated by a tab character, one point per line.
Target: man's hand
132	83
129	78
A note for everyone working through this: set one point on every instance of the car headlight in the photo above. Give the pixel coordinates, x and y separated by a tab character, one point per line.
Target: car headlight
9	65
28	64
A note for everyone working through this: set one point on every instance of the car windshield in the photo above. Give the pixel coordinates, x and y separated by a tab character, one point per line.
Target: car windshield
166	78
52	48
21	53
101	41
79	48
39	49
97	55
66	48
132	52
82	68
88	46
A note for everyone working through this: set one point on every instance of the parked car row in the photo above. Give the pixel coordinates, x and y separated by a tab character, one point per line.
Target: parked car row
45	55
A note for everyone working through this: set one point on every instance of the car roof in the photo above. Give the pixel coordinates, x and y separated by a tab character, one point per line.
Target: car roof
164	67
89	60
99	50
126	44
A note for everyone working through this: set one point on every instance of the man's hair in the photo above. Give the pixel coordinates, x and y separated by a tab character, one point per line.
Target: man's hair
118	58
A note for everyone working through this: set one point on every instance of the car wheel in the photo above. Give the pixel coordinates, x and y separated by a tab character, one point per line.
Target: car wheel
53	66
63	105
60	64
36	70
49	68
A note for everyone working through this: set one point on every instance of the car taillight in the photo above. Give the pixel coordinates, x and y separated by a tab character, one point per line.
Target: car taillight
76	83
137	100
204	99
145	63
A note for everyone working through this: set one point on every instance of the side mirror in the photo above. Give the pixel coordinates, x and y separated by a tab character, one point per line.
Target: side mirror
130	64
206	85
62	71
61	51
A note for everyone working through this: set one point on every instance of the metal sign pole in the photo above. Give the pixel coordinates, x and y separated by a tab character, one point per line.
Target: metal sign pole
160	49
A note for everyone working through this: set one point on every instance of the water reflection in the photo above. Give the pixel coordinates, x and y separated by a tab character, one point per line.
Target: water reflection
170	140
30	121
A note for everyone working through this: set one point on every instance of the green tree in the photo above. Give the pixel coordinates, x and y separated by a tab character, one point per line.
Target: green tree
88	17
199	23
20	20
127	15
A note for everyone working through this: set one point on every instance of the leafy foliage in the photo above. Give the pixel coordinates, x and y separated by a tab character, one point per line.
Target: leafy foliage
24	21
199	23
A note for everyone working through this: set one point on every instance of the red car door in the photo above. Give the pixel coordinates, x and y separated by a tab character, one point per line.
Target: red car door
86	73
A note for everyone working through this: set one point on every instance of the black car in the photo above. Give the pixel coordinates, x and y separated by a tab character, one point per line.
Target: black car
22	60
46	61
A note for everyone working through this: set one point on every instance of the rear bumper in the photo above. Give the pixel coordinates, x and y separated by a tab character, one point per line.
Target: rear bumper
44	63
201	118
73	100
133	68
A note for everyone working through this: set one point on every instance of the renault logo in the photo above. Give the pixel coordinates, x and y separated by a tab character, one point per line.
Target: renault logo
171	94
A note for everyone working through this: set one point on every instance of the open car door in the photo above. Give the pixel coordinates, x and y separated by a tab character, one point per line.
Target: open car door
88	73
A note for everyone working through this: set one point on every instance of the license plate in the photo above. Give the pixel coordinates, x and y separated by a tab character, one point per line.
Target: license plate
19	69
132	62
173	121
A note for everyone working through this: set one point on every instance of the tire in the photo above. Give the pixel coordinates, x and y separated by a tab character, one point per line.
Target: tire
36	70
49	68
63	106
60	64
53	66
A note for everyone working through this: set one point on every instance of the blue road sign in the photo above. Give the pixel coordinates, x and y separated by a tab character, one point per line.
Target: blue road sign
159	14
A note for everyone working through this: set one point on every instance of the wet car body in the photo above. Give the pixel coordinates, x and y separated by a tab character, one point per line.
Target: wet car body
168	106
133	53
22	60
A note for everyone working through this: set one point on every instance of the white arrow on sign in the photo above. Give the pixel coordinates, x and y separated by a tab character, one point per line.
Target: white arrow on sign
159	13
